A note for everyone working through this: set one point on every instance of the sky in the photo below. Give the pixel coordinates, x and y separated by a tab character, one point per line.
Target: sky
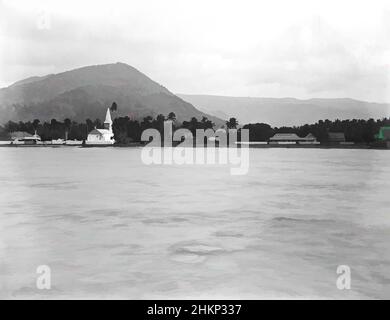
278	48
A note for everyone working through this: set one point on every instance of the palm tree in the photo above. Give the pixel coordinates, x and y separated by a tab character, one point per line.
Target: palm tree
207	124
172	116
114	107
147	120
89	123
35	125
160	118
232	123
68	124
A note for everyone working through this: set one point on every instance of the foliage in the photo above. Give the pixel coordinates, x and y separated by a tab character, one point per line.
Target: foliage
127	130
358	131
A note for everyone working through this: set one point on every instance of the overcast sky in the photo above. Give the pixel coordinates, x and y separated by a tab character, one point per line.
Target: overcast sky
275	48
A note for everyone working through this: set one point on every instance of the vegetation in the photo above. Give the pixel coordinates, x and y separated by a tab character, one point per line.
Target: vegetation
358	131
232	123
129	130
125	129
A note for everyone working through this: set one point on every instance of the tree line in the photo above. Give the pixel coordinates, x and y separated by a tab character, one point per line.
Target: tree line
355	130
129	130
53	129
125	129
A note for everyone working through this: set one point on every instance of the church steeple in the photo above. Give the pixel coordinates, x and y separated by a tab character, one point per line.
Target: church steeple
108	121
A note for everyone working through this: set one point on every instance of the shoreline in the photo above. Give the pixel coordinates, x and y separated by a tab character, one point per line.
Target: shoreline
255	146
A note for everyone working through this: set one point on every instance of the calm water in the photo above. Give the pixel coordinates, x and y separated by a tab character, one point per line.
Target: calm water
110	227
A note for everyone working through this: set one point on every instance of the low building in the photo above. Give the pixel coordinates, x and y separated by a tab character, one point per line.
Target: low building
57	141
336	137
99	136
292	138
19	135
73	142
383	134
284	138
22	137
102	136
309	139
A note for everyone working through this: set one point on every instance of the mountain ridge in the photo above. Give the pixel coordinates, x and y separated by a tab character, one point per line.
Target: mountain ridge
287	111
87	91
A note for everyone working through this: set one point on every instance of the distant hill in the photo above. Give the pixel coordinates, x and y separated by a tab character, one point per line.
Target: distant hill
86	93
286	111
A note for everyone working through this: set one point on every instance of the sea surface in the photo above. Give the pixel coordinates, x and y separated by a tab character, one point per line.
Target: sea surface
109	226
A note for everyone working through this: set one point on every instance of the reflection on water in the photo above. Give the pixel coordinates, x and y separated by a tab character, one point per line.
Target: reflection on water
111	227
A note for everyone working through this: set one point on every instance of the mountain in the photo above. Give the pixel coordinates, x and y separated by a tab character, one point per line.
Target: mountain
286	111
87	92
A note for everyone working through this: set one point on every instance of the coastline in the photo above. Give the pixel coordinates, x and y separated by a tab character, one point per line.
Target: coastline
255	146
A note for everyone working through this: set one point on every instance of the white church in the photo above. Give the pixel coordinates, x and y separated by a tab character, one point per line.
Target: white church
102	136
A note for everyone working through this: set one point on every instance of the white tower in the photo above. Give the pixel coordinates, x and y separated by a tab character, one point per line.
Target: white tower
108	121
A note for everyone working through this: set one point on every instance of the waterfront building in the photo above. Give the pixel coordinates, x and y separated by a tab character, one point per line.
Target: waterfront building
22	137
292	138
102	136
336	137
309	139
383	134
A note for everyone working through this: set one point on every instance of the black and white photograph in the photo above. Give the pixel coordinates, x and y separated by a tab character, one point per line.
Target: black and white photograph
193	150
